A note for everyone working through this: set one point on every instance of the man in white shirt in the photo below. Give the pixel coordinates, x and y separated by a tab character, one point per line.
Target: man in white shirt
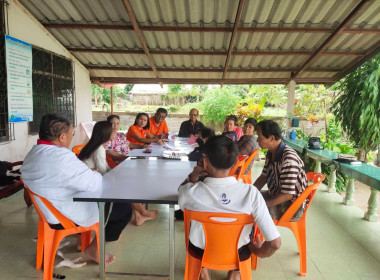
220	193
53	171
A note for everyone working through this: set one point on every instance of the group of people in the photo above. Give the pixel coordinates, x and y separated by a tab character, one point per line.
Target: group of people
51	170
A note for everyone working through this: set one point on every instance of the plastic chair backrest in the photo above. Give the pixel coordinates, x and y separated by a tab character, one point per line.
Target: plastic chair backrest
249	160
222	237
110	162
239	163
76	149
308	193
65	222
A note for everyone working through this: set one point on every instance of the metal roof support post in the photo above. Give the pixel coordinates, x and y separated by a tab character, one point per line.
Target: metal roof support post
290	105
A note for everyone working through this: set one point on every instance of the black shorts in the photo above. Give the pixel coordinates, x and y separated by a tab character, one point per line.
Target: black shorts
120	216
196	252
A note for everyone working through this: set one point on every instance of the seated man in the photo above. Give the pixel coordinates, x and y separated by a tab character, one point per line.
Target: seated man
158	126
192	126
283	172
220	193
53	171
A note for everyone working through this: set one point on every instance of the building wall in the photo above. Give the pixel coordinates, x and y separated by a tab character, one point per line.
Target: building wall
23	26
146	99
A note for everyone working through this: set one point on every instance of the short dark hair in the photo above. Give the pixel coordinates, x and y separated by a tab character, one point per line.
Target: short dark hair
52	125
251	121
232	118
221	151
162	110
111	117
268	128
100	134
207	132
140	115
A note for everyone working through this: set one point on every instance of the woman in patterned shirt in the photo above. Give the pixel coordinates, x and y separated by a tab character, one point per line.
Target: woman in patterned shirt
247	144
119	147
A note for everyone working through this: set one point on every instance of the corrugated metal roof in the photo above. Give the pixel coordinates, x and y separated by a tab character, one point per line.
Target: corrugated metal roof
193	37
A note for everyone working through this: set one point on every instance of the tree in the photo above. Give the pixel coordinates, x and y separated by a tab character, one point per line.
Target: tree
218	103
358	105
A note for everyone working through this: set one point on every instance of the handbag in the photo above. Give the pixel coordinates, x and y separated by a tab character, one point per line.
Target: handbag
314	143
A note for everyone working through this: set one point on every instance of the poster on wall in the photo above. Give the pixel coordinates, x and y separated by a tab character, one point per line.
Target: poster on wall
19	79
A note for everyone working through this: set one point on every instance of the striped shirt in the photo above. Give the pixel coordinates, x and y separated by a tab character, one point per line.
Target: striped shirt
286	174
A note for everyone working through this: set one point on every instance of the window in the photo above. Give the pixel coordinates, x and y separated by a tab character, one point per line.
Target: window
53	87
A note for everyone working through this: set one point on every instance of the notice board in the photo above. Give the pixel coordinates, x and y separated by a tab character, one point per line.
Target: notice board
18	56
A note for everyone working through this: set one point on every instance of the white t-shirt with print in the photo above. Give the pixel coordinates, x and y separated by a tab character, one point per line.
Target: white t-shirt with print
226	195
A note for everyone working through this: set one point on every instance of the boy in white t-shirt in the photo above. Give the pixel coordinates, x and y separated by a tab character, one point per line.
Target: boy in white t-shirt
220	193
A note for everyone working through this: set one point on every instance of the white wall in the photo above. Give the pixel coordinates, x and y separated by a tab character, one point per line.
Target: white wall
23	26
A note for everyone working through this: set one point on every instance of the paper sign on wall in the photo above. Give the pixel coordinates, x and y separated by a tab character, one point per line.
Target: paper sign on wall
19	79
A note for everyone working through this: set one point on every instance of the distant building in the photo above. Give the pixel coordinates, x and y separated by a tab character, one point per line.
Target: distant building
148	94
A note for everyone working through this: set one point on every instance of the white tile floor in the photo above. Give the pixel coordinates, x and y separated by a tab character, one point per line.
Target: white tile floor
341	245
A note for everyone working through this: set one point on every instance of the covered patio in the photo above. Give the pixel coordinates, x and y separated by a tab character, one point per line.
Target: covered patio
199	42
340	245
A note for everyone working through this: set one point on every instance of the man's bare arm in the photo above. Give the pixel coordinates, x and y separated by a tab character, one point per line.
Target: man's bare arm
260	182
266	249
278	199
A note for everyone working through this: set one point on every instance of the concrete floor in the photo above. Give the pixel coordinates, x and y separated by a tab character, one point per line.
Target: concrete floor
340	245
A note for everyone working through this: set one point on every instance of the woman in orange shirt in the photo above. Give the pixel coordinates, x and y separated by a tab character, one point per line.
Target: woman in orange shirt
139	133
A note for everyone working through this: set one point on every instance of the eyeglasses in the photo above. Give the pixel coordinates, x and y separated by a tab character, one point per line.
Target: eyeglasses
193	115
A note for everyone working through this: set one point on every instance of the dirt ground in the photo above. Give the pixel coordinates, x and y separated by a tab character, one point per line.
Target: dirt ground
361	196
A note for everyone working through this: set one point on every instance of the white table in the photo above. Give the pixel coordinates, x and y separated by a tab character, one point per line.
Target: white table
152	180
180	145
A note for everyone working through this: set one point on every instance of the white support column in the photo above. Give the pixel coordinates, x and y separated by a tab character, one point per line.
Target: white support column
290	105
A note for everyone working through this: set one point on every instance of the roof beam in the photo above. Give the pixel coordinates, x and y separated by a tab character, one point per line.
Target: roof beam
332	36
219	53
233	37
372	51
139	34
251	70
209	81
209	29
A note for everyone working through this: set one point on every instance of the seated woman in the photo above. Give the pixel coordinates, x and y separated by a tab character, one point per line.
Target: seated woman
248	142
94	156
203	135
119	147
139	133
237	129
229	128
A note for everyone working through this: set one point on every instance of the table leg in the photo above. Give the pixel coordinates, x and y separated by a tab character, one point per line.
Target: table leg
350	189
101	241
171	242
318	167
332	181
371	214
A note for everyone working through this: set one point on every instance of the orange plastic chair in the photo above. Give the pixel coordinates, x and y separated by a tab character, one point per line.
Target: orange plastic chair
49	239
110	162
221	251
76	149
299	227
239	163
247	178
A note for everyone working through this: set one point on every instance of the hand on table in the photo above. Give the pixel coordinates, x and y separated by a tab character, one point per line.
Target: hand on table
160	142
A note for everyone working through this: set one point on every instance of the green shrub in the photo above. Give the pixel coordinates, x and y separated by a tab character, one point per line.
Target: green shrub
218	103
